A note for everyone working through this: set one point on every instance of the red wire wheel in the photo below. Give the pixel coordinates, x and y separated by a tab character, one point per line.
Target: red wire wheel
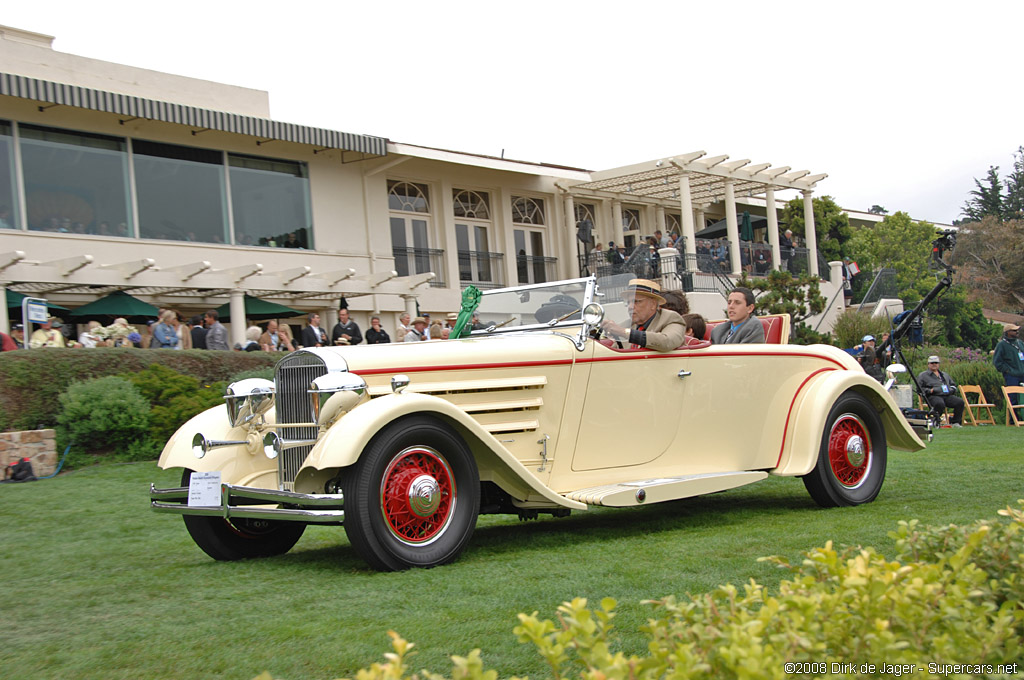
849	450
418	495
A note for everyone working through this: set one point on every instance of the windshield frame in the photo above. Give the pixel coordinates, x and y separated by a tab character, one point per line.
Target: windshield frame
576	321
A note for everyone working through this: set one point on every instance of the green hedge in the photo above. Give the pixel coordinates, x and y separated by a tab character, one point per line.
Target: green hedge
953	596
31	382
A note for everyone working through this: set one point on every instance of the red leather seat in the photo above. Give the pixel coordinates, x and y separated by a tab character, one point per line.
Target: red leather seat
772	329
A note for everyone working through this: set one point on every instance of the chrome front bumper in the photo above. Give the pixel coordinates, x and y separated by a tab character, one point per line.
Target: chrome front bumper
250	502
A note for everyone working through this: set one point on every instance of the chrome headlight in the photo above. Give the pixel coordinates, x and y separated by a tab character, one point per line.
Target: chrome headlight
593	314
248	399
335	393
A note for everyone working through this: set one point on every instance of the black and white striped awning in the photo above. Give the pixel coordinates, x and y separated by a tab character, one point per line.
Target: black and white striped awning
151	109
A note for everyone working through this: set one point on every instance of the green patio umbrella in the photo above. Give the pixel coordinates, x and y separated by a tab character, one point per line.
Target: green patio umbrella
117	304
746	228
259	310
14	299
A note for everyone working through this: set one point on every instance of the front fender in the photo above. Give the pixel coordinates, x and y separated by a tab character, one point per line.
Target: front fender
245	465
806	423
342	445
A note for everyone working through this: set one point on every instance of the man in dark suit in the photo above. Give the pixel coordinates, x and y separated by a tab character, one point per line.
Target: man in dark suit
313	335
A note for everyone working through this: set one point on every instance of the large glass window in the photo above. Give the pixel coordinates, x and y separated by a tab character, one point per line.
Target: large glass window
270	202
8	206
477	264
75	182
180	192
410	231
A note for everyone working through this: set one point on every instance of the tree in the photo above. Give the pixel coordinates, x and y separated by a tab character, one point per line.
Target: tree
878	210
986	199
902	244
1013	205
831	225
990	255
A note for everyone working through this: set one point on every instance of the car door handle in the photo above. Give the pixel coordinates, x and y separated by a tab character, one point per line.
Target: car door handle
683	374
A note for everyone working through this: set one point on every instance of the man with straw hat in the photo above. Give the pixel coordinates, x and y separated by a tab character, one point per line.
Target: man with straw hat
650	326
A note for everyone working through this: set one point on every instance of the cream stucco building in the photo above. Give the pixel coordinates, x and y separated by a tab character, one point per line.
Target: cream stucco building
185	194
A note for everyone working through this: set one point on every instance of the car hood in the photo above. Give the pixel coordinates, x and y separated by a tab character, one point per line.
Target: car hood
507	349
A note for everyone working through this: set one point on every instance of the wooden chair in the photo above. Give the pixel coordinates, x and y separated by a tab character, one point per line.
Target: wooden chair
974	410
1011	410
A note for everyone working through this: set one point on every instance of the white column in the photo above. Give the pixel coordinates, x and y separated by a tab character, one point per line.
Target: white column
731	228
410	308
236	308
328	319
668	264
659	220
698	220
810	236
571	269
617	224
5	323
773	226
686	214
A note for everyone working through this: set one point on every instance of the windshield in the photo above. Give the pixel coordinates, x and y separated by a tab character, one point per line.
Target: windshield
540	306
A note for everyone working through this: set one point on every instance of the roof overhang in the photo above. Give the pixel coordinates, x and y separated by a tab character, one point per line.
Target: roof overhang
658	180
84	275
132	108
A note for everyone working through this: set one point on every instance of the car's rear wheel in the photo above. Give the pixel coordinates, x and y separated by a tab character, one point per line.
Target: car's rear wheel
412	498
240	538
852	456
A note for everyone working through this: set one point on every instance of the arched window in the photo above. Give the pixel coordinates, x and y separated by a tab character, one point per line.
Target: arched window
408	197
411	234
471	204
526	210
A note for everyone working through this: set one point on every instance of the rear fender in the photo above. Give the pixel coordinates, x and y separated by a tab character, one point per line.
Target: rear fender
342	445
807	420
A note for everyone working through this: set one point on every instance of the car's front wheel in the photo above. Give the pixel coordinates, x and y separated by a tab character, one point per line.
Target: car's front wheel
240	538
412	498
852	456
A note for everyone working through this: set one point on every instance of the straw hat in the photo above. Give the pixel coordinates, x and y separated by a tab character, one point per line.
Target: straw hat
645	287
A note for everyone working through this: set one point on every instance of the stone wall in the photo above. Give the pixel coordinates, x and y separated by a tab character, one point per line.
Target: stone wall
37	445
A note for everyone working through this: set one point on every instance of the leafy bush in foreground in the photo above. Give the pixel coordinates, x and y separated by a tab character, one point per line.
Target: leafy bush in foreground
173	398
957	600
104	414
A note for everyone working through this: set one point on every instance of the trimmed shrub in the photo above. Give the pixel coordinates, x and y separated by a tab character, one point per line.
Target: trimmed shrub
106	415
173	398
32	381
266	373
956	600
981	373
852	326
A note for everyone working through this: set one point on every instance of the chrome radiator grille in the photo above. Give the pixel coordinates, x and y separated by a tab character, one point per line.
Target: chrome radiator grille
291	379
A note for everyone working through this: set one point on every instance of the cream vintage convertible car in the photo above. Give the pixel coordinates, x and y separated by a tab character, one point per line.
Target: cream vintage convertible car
406	444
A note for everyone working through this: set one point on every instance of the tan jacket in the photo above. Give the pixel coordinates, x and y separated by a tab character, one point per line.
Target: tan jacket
666	331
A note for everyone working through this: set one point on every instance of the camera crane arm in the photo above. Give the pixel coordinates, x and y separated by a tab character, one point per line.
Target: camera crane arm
940	246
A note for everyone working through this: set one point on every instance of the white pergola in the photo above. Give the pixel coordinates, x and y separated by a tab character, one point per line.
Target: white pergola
201	284
694	179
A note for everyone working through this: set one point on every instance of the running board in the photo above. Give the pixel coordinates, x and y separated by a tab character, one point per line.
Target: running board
660	489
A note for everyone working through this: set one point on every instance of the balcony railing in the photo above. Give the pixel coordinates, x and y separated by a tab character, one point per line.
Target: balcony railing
410	261
481	269
536	269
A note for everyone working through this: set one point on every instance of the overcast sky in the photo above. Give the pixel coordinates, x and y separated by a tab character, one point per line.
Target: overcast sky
901	103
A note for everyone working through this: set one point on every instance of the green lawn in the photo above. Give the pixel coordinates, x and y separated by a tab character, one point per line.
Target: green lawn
98	586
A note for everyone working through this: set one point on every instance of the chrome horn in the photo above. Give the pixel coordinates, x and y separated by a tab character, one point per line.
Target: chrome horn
274	445
201	445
